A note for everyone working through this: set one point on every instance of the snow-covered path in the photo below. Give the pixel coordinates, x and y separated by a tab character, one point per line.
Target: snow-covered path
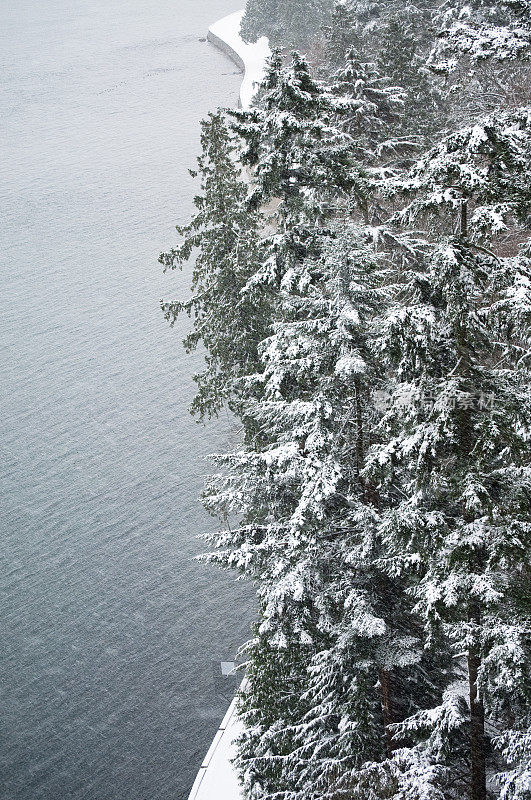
216	780
250	58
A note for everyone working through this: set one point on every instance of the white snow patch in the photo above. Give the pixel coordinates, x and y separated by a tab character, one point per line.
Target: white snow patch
251	58
350	317
350	365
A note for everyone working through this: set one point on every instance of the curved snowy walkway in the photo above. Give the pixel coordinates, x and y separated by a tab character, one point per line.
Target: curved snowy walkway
250	58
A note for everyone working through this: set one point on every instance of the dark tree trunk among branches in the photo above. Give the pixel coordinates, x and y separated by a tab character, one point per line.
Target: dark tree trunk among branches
478	778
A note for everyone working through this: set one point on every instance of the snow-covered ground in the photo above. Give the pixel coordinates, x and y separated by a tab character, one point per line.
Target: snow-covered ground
251	58
216	780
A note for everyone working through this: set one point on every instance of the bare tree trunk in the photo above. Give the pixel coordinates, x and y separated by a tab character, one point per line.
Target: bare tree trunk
385	676
464	219
360	445
386	693
478	777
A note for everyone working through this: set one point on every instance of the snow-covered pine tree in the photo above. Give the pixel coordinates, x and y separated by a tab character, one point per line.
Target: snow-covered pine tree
393	40
482	170
455	463
401	59
370	111
483	49
373	17
515	781
260	19
224	236
287	23
340	34
482	30
336	659
302	164
294	496
296	153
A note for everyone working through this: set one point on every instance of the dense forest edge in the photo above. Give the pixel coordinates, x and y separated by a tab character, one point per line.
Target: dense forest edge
362	294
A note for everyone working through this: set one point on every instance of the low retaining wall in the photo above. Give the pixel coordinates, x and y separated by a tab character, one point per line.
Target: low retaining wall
227	49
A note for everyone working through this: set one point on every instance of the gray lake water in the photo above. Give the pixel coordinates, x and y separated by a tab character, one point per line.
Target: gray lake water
108	626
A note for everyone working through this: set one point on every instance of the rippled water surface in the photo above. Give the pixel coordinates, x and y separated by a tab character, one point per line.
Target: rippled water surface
108	626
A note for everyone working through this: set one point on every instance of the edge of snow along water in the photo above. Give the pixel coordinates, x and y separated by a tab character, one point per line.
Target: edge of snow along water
250	58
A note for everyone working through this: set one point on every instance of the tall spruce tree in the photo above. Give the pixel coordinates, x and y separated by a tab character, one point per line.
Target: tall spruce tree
294	495
224	238
341	34
336	660
302	164
373	18
401	59
370	110
395	40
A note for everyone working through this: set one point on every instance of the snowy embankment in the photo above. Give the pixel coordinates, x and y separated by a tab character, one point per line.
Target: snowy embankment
217	780
250	58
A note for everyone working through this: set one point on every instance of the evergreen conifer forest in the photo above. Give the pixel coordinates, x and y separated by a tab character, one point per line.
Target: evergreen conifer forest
362	292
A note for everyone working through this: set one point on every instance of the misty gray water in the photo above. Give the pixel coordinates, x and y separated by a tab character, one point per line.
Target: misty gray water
108	626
